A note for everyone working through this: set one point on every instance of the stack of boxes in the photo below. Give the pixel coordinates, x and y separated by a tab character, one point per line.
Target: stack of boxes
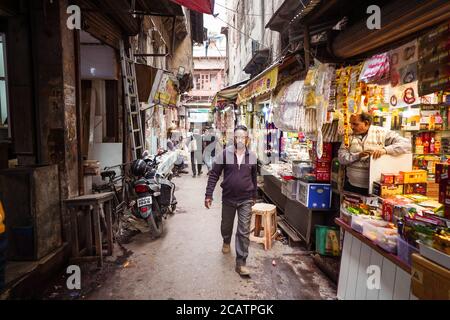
411	182
322	166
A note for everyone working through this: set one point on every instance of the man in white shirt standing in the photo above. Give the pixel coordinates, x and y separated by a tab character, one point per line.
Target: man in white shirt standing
368	140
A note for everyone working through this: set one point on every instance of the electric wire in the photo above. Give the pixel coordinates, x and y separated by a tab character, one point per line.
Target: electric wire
245	14
263	45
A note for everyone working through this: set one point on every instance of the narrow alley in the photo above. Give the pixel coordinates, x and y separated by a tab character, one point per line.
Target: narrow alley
187	262
324	127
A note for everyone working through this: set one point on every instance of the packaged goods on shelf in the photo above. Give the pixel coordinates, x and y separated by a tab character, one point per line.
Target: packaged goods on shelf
374	232
387	178
386	238
441	241
357	222
415	188
386	190
415	176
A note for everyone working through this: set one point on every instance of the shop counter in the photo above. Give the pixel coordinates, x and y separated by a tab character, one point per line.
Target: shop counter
302	219
363	263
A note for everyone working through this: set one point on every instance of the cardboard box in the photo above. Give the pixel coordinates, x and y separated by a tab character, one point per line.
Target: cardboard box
415	176
433	190
322	166
385	190
327	152
415	188
387	178
429	281
398	179
323	176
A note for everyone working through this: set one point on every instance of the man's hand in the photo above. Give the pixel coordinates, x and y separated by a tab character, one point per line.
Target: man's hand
364	154
208	202
378	153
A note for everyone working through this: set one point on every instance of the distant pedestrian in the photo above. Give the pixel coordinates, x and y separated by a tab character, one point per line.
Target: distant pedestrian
195	148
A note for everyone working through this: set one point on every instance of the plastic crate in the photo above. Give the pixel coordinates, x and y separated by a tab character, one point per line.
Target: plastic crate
370	231
434	255
357	223
386	241
327	240
289	189
405	251
314	195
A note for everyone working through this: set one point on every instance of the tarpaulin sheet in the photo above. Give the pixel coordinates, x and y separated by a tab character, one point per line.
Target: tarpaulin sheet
203	6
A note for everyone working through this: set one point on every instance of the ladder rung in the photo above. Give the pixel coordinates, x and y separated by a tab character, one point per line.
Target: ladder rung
134	112
137	147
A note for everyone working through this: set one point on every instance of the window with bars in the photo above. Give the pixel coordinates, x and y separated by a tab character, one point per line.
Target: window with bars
4	108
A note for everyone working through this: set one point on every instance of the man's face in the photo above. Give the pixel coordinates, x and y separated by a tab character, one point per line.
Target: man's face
240	139
358	126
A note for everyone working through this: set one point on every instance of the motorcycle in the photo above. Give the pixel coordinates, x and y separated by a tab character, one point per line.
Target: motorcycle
154	191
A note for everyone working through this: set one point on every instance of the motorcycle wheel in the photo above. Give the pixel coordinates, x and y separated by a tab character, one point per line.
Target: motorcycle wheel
155	222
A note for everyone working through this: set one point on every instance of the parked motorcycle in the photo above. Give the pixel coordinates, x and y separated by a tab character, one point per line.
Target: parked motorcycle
154	191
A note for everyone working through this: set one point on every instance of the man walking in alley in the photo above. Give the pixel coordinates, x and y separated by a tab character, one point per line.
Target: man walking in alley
195	146
239	194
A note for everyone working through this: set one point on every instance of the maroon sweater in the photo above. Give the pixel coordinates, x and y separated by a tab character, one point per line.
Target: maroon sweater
239	182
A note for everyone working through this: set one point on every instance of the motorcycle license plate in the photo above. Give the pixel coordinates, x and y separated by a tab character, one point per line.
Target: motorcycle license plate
144	201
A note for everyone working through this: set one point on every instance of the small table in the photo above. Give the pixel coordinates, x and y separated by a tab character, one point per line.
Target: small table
92	206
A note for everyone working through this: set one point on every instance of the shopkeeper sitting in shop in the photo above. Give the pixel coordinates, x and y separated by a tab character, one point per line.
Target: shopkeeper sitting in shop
367	140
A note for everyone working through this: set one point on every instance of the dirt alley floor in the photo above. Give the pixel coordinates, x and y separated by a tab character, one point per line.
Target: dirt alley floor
187	262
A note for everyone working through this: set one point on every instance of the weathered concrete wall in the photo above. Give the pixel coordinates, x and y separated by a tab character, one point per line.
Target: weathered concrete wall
250	23
69	97
56	97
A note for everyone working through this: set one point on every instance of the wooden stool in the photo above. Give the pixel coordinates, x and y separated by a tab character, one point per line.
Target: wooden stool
91	206
265	217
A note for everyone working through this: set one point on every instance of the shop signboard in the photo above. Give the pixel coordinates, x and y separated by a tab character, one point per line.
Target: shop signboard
164	90
263	84
199	115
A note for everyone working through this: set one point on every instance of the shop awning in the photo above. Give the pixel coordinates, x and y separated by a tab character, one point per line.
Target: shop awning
263	83
229	93
258	61
159	7
289	10
203	6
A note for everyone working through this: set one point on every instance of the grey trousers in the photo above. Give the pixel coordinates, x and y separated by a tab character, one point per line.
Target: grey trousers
244	210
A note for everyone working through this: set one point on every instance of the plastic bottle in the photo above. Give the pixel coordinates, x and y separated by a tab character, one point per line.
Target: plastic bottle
426	144
437	145
432	145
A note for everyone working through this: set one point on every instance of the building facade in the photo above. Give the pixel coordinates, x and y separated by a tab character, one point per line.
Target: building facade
247	37
208	79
